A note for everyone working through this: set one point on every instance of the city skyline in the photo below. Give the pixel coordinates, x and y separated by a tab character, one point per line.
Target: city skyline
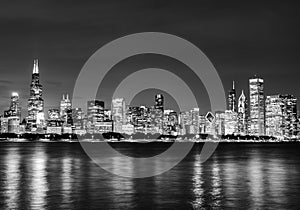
271	115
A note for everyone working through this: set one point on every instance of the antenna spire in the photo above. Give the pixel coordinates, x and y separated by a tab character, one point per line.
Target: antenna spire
35	66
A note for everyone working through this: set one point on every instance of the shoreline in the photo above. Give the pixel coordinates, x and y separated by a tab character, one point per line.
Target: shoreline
141	141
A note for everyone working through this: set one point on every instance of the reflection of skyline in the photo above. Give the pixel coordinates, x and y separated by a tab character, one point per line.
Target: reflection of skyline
13	178
39	184
236	176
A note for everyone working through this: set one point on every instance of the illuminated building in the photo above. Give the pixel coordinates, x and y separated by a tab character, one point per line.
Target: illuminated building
257	109
231	123
210	124
289	112
14	109
232	99
54	122
274	116
66	110
10	121
159	112
95	111
159	101
243	115
77	117
36	118
13	124
107	115
220	123
4	124
128	129
118	112
184	120
195	120
103	127
202	124
170	122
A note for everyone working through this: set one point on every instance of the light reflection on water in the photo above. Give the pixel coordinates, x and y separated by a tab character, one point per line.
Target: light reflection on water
61	176
12	178
38	183
198	184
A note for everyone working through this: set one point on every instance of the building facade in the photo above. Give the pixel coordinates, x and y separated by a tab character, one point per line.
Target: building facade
274	116
243	120
257	106
36	117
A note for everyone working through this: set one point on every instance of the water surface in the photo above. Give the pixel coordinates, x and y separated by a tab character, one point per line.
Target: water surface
61	176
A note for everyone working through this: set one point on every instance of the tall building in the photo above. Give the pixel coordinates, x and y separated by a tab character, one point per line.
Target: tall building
170	122
242	114
195	120
289	111
274	116
36	118
95	111
220	123
118	111
14	108
77	117
159	101
159	112
66	110
185	121
231	122
257	108
232	99
54	122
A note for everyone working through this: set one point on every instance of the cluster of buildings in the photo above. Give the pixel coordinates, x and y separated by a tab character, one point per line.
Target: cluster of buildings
274	115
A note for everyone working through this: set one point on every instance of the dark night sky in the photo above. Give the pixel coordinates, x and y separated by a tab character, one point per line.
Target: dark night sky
241	38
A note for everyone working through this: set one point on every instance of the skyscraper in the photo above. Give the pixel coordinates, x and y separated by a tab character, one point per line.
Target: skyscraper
118	111
274	116
289	111
159	101
159	111
257	108
66	110
242	114
95	111
14	108
36	118
232	99
195	120
231	125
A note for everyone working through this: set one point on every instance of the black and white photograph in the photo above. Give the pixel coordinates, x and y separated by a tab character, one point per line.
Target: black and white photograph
149	104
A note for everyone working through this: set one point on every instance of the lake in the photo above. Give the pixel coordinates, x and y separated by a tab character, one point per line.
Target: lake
39	175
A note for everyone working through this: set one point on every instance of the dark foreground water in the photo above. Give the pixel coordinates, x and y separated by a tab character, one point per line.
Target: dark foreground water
61	176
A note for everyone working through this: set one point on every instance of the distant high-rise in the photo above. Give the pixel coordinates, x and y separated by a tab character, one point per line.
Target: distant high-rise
95	111
257	108
118	111
159	112
242	114
159	101
232	99
14	108
231	122
195	120
66	110
274	116
36	118
289	111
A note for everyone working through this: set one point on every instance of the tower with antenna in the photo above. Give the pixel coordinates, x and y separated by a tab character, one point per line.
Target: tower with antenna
36	117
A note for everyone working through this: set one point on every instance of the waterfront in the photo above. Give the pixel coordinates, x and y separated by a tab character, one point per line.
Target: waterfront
43	175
